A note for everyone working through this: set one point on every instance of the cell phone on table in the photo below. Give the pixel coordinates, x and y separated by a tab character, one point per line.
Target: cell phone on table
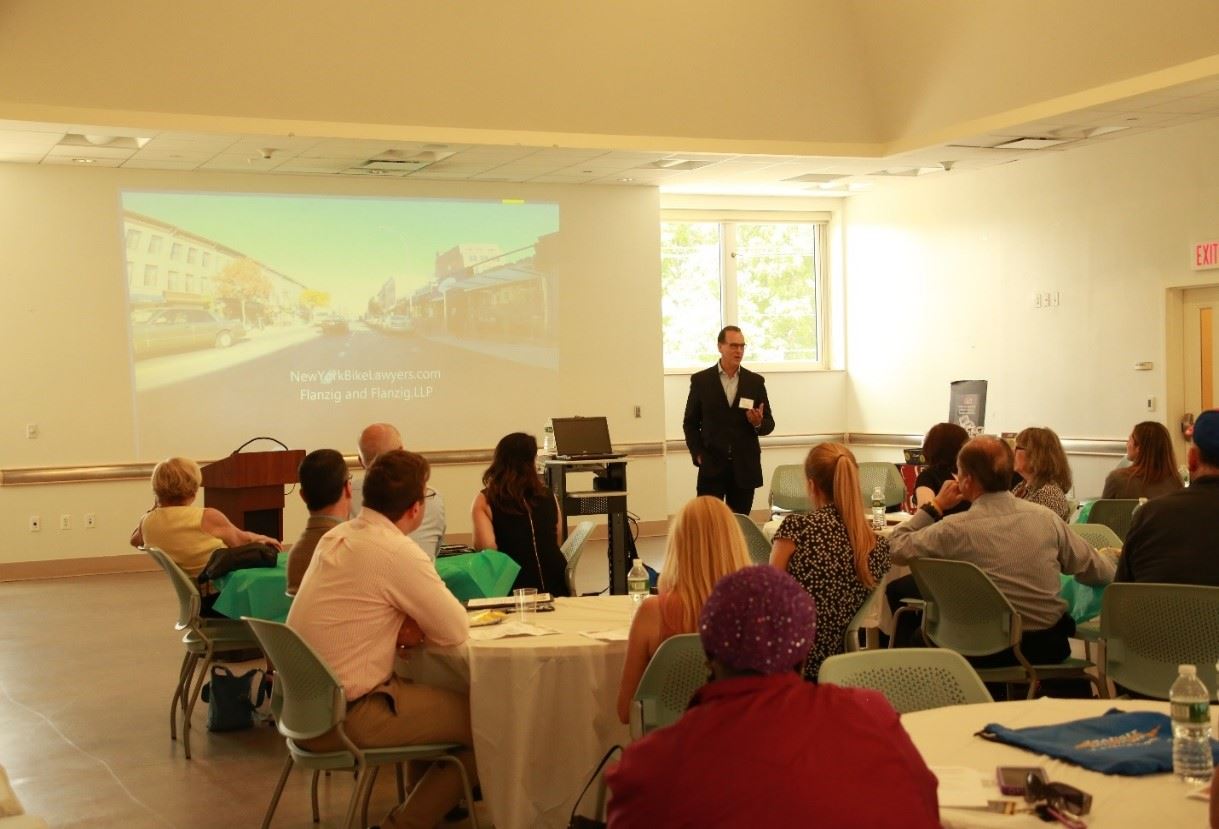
1014	779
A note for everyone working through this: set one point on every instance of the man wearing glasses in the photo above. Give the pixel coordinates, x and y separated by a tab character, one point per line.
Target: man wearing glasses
378	439
369	591
726	412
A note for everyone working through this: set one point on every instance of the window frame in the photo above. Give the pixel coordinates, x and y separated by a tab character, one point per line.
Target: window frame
728	283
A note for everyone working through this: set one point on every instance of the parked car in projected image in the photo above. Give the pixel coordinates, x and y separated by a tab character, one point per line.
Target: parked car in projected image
162	330
399	324
330	322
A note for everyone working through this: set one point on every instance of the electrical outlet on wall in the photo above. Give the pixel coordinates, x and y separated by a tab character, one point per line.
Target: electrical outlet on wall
35	523
90	520
65	521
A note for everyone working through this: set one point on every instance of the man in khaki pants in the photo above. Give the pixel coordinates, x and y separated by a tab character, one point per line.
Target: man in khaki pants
369	590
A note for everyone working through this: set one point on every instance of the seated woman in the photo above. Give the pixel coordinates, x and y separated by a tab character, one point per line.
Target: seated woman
940	448
832	551
1042	463
705	544
516	514
1153	465
186	533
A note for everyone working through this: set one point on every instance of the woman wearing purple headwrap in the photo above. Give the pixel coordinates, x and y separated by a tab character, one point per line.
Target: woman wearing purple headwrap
759	746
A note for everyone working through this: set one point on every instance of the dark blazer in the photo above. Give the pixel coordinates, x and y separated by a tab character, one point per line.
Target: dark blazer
721	434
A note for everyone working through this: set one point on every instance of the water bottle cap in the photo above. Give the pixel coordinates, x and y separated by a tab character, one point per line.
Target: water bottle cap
635	563
1187	670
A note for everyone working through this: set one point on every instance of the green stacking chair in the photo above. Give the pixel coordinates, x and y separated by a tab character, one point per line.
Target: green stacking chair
203	640
1114	513
964	611
308	702
572	547
912	679
788	492
874	474
1097	535
677	670
1147	630
755	541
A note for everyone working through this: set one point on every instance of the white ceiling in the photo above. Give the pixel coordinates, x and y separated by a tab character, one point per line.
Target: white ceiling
703	173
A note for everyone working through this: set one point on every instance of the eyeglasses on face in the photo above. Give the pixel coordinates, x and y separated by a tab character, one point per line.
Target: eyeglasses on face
735	346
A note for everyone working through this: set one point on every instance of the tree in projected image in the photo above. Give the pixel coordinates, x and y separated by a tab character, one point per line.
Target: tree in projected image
777	290
313	300
690	291
243	280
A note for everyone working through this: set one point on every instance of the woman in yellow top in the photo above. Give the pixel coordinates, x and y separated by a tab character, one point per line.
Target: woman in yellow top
186	533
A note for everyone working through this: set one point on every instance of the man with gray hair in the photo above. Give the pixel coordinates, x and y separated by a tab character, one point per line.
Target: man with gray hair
376	440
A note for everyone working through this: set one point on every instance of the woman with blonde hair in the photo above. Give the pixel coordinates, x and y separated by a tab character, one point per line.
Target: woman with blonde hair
832	551
1042	463
186	533
705	544
1153	465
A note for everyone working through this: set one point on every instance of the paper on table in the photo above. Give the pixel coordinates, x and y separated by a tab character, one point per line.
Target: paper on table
615	635
1201	793
510	628
960	788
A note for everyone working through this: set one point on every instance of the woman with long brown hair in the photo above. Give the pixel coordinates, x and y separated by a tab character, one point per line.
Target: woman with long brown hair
832	551
1042	464
517	514
705	544
1153	468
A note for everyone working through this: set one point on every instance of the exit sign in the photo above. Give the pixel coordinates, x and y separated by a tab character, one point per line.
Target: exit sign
1206	255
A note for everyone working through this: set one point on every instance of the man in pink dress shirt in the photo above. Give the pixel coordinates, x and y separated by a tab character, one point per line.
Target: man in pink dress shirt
369	590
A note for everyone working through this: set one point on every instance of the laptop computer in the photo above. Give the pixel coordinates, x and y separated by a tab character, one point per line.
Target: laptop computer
582	439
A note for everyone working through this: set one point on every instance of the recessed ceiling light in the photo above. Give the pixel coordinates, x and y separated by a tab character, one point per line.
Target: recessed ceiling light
625	180
83	160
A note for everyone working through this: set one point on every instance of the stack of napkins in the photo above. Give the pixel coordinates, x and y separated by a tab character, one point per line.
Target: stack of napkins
615	635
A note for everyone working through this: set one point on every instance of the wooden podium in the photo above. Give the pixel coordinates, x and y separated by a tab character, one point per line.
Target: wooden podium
248	487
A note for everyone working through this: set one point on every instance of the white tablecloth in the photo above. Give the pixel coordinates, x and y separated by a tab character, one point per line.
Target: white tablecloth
944	736
543	708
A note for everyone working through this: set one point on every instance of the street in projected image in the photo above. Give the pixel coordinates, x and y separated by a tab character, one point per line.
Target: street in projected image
304	317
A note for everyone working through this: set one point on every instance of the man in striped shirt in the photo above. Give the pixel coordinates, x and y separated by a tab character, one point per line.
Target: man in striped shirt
369	590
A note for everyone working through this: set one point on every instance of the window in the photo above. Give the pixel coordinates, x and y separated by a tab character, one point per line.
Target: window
762	275
154	244
133	238
190	283
175	281
192	256
175	251
150	276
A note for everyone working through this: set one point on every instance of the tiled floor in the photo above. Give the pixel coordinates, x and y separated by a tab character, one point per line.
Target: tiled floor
87	667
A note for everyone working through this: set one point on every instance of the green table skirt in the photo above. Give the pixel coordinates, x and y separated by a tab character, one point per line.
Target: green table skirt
259	591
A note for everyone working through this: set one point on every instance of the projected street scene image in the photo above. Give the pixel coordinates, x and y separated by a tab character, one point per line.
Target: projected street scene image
298	315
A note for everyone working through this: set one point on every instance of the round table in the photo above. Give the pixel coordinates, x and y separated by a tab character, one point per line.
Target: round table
543	708
945	737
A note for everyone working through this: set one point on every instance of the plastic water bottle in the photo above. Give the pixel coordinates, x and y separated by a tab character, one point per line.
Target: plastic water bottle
878	509
1191	727
548	440
637	584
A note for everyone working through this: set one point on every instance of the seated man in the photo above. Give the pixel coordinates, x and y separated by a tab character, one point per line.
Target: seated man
326	491
368	590
1175	538
383	437
1022	546
759	746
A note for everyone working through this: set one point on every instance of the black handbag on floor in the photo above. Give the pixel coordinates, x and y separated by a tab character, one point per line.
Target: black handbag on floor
231	699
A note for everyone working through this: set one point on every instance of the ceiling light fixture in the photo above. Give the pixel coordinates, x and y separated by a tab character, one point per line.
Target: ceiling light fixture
83	160
1030	143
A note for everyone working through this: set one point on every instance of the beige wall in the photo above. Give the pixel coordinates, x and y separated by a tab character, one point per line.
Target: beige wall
942	274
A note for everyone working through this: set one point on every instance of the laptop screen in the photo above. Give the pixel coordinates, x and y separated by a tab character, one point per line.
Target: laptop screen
575	436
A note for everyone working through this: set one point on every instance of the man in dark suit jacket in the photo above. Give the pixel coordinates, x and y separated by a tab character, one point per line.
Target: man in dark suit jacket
725	413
